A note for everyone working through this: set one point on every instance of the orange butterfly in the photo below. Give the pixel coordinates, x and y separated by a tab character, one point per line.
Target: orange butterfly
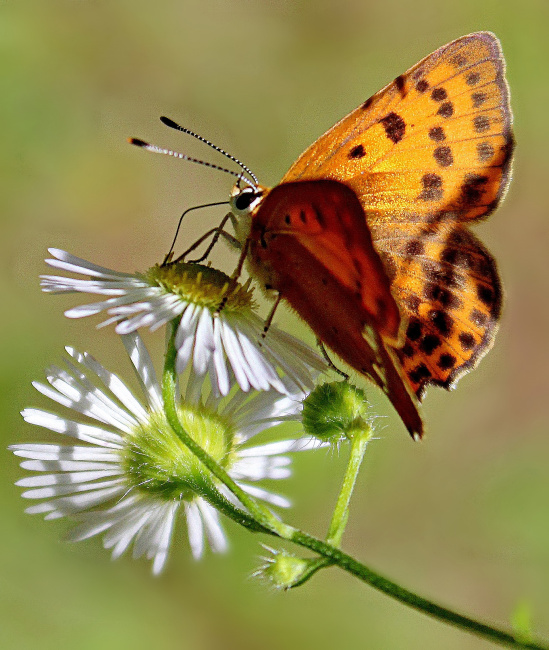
367	234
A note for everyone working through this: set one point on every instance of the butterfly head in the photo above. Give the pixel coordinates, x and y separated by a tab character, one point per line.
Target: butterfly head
244	202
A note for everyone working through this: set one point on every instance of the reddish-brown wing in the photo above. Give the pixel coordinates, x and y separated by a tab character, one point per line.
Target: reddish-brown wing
425	156
310	242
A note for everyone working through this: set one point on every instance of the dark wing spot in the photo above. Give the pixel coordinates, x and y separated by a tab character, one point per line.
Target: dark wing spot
472	78
414	247
431	181
357	152
478	99
407	350
459	60
414	330
451	256
394	127
483	267
443	156
467	340
430	343
446	109
445	297
319	216
478	318
432	187
412	303
303	216
457	238
400	82
485	294
481	123
472	189
419	373
368	103
485	151
439	94
437	134
287	219
446	361
441	321
457	257
422	85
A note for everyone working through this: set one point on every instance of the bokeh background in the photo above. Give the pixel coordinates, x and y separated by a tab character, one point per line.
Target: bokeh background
462	517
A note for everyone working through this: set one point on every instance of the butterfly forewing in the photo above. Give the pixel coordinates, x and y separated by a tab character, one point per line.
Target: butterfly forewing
425	155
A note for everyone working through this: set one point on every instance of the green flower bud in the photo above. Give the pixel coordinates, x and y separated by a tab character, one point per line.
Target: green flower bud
285	571
335	411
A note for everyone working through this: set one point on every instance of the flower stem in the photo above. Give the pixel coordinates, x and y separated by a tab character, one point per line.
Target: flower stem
367	575
262	516
360	439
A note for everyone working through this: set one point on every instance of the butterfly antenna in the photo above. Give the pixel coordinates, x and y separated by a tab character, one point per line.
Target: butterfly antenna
168	152
178	127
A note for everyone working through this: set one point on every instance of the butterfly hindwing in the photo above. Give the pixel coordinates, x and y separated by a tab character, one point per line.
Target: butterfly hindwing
452	294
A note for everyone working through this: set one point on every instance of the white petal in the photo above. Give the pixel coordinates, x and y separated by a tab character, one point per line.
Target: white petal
222	379
67	478
235	356
117	387
70	505
143	365
195	529
75	264
214	531
276	448
86	432
260	467
73	488
265	495
64	452
164	538
204	343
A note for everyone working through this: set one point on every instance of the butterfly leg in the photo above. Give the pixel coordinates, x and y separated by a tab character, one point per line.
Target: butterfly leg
169	255
270	317
330	363
235	275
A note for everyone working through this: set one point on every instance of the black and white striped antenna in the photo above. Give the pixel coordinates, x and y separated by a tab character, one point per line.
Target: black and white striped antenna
168	152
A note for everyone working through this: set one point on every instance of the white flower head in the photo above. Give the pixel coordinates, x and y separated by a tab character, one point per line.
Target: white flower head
132	476
228	344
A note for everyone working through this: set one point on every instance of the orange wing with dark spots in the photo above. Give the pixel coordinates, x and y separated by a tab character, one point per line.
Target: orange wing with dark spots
425	156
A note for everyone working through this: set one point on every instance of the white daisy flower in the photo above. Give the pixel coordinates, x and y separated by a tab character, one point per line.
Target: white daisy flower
133	476
228	344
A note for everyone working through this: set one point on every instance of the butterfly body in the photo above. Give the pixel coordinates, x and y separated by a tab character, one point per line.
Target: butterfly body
367	234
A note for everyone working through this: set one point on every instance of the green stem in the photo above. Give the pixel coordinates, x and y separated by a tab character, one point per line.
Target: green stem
379	582
360	439
263	517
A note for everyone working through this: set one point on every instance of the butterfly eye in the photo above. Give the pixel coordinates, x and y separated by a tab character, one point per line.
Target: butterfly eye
245	199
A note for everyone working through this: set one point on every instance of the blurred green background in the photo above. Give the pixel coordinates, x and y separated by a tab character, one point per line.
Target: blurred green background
462	517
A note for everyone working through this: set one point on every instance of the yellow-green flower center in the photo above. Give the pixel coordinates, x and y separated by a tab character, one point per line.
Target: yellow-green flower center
158	463
202	285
